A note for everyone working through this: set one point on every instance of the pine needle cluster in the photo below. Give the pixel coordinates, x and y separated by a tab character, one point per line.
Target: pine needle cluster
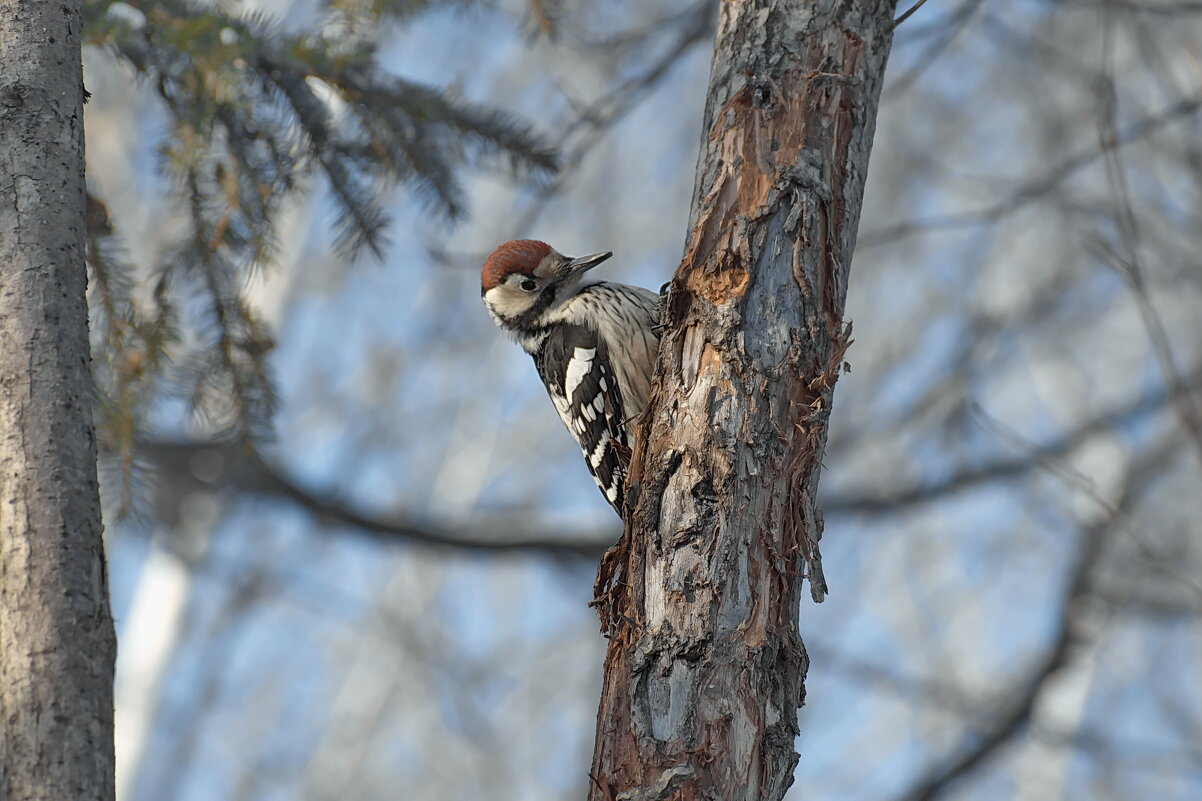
257	111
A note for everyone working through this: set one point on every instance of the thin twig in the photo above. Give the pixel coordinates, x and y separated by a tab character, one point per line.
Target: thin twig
1159	459
958	20
1032	190
908	12
890	501
245	471
1016	714
1129	263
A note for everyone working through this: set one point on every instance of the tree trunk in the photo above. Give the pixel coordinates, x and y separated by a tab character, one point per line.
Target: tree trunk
56	634
705	667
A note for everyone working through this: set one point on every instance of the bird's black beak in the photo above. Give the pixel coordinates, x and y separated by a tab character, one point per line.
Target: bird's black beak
574	268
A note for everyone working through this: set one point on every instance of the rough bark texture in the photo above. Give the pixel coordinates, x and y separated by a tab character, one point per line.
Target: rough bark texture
706	668
56	634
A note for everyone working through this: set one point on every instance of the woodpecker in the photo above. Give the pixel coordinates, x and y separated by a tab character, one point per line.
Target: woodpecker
594	345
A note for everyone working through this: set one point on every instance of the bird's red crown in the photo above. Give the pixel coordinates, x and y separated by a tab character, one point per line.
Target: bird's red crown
517	256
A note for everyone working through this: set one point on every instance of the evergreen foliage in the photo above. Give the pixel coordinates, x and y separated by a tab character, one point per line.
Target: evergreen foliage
255	111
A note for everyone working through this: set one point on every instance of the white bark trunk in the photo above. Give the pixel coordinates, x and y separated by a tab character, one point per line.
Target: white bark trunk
149	637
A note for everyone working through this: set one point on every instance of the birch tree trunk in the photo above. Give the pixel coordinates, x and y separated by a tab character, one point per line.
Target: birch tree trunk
705	667
56	633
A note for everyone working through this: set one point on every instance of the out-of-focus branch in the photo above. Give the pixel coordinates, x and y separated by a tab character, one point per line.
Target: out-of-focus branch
909	12
1128	261
594	121
1082	483
1162	9
597	119
1011	716
1031	190
1016	712
876	502
954	25
950	697
232	466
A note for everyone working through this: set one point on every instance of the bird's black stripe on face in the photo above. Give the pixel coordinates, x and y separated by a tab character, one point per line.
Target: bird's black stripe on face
529	318
575	367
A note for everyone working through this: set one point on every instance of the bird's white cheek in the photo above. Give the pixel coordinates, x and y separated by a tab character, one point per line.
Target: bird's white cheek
502	305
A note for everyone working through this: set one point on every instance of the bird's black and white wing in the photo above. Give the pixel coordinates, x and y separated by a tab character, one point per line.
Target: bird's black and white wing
574	365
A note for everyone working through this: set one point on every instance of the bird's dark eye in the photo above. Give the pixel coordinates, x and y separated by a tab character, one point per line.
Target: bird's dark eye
529	285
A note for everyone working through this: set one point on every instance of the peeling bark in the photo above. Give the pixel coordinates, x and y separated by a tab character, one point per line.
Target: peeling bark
705	667
56	634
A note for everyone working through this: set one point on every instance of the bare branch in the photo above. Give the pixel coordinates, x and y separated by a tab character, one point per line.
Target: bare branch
1129	262
1032	190
866	502
982	746
244	470
905	15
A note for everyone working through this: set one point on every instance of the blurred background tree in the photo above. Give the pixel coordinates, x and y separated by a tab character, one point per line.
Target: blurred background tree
351	547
